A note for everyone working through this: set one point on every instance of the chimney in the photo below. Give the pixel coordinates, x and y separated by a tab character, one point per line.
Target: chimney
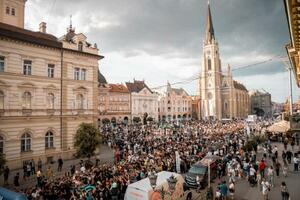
43	27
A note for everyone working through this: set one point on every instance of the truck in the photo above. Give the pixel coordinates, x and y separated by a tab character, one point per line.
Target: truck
142	190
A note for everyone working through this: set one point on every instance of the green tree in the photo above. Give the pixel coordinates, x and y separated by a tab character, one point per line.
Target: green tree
87	139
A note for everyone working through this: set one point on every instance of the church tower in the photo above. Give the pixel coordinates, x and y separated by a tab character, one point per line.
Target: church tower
210	80
12	12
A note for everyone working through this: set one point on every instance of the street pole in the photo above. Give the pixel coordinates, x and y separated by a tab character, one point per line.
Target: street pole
291	90
209	174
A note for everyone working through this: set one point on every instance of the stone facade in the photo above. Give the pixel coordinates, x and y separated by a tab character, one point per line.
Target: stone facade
49	87
174	105
261	103
221	96
114	103
143	100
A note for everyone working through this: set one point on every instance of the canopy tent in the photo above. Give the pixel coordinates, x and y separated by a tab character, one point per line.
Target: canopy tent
279	127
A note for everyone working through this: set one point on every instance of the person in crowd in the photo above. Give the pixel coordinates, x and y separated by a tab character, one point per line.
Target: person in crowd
16	180
277	167
285	169
271	176
6	175
289	155
60	164
265	188
284	191
296	162
231	190
40	164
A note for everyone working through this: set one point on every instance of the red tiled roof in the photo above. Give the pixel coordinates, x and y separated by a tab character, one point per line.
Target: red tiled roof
118	88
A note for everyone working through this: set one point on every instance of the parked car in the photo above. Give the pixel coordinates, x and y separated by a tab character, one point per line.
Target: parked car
197	176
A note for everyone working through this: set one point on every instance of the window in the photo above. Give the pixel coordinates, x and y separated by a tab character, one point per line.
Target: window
1	144
50	70
25	142
2	64
83	73
49	140
1	100
76	74
13	12
50	101
26	102
7	10
80	46
79	100
27	67
209	64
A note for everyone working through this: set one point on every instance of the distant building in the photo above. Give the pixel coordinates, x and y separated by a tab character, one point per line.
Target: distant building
261	103
114	102
143	100
196	107
277	108
174	105
221	96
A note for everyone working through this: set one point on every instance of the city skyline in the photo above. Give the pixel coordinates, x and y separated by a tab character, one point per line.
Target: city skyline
165	41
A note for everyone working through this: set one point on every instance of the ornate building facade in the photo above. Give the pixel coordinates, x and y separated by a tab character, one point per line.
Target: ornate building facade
143	100
48	87
221	96
114	102
174	105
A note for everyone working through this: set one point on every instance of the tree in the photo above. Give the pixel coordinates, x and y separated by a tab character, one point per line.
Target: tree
2	163
87	139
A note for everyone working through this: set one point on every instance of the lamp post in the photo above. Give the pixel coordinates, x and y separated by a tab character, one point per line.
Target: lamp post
171	183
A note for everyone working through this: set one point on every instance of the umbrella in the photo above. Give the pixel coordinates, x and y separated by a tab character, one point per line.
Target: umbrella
279	127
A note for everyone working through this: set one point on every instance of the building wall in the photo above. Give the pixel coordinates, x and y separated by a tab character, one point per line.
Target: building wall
174	107
18	18
36	121
114	105
144	102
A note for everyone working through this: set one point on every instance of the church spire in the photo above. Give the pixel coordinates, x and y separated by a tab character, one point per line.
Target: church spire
209	27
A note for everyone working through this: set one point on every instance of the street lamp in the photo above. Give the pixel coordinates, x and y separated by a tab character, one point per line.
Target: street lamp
171	184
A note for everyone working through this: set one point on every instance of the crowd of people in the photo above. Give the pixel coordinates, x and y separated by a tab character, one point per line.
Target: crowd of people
139	149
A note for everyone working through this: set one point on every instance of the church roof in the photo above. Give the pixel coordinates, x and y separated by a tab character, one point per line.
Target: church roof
239	86
137	86
209	27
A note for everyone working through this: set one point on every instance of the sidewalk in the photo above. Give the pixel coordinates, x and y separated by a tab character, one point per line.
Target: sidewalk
106	156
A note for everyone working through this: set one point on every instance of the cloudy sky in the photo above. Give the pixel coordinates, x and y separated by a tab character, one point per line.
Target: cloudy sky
160	40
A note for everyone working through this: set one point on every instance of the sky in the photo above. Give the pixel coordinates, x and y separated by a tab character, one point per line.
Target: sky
161	40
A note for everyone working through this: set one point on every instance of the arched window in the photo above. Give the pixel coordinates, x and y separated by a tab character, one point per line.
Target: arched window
7	10
80	46
208	64
13	12
25	142
1	144
26	102
1	100
49	140
79	100
50	101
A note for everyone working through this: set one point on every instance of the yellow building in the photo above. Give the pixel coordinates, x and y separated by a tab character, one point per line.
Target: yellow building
48	86
292	8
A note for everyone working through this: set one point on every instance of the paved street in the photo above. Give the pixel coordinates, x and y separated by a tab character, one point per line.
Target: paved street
245	192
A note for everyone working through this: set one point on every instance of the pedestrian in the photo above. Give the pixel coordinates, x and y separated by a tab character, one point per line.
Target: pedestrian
296	163
6	175
262	167
271	175
49	172
231	190
285	169
16	180
60	164
265	189
289	155
224	190
40	164
284	191
277	167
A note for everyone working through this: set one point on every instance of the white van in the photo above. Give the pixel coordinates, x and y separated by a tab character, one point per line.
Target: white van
142	189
